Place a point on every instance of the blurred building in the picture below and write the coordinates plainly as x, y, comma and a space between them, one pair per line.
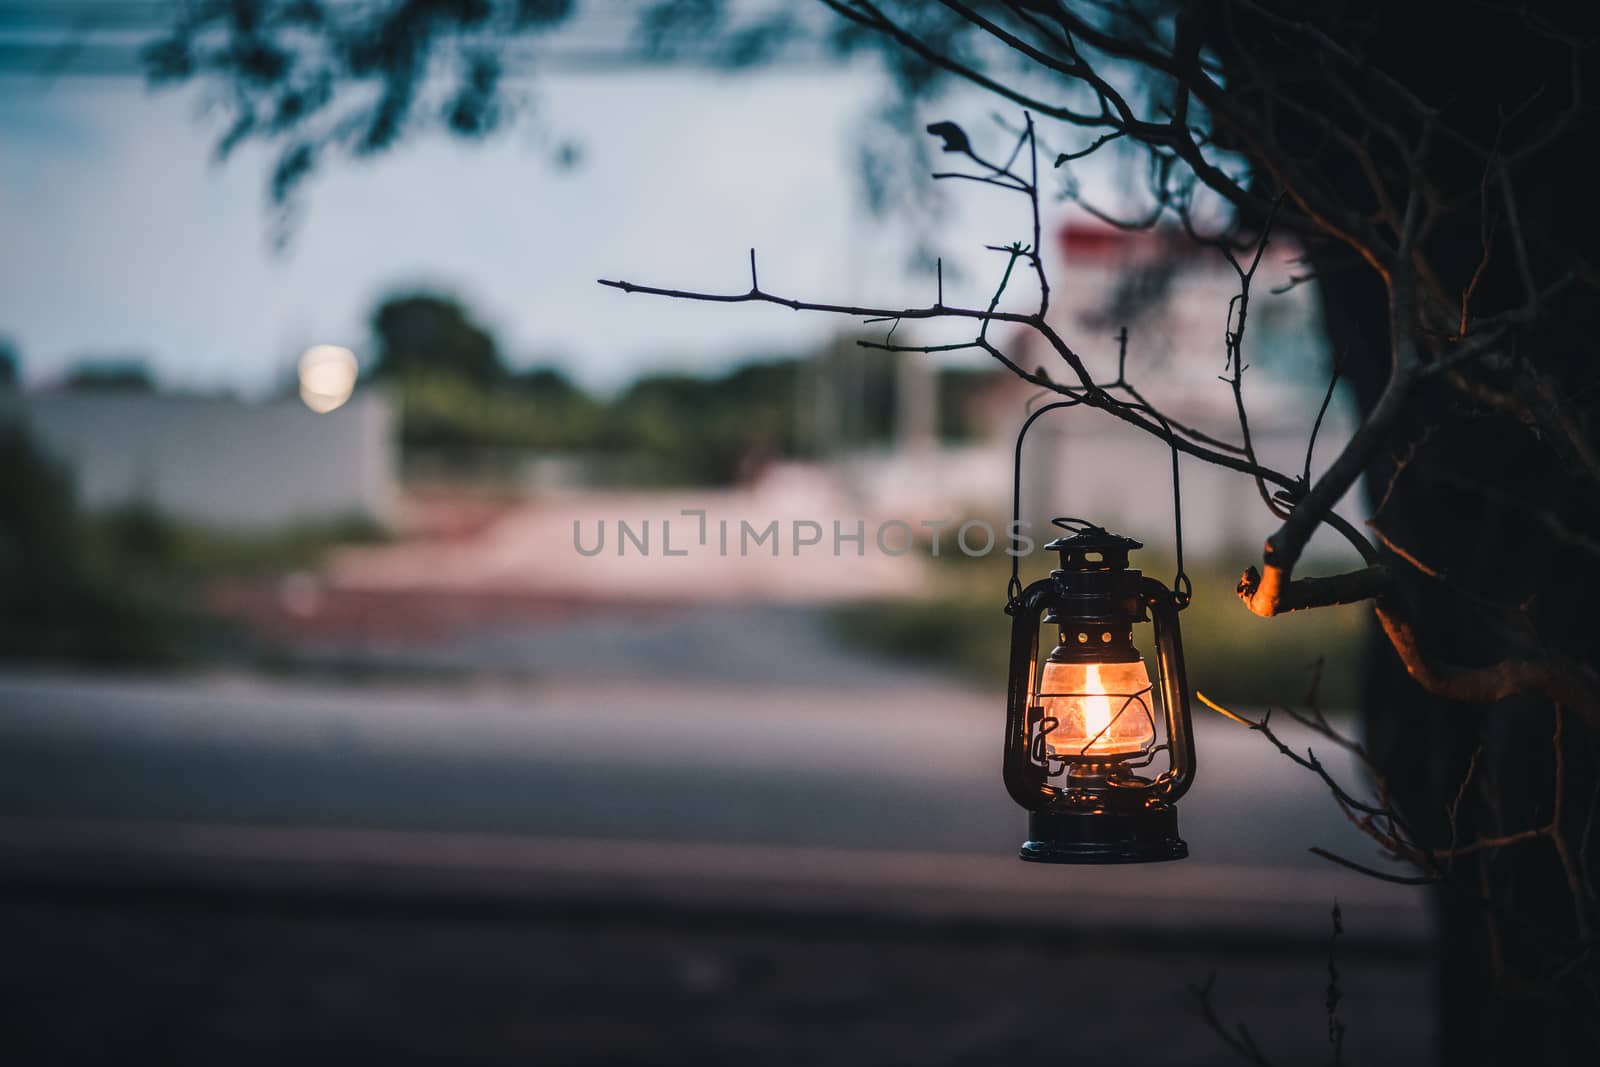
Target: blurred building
219, 462
1173, 296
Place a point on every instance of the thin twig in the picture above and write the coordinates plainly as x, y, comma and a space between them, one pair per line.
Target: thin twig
1334, 993
1316, 427
1238, 1039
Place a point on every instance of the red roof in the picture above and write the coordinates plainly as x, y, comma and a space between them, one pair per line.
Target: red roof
1088, 240
1091, 239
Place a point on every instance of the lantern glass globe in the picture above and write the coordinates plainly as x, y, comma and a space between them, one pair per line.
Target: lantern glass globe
1101, 709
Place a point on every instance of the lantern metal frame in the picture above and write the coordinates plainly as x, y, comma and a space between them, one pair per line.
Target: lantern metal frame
1102, 811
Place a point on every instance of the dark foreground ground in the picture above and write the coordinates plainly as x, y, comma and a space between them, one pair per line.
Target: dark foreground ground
176, 979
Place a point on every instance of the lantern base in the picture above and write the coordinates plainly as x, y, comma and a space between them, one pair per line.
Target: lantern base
1104, 835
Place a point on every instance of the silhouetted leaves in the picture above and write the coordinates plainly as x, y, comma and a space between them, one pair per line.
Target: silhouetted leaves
316, 74
258, 62
298, 102
294, 164
751, 46
474, 109
954, 137
668, 26
243, 126
542, 12
167, 61
312, 75
387, 116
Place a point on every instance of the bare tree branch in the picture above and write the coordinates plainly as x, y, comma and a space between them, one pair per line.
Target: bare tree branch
1562, 680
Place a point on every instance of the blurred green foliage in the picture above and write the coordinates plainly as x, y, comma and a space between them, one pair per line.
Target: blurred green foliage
709, 430
142, 545
427, 333
120, 374
59, 602
120, 587
446, 413
459, 401
10, 366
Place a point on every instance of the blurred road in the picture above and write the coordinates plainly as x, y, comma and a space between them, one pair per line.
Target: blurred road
864, 789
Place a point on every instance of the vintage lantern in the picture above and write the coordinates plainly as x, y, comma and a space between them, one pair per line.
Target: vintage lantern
1085, 728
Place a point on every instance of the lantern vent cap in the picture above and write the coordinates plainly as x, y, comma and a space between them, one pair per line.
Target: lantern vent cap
1090, 547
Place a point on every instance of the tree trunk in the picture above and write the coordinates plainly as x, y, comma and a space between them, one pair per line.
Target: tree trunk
1487, 494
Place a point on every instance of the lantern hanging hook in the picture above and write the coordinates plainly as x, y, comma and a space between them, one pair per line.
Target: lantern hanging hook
1182, 589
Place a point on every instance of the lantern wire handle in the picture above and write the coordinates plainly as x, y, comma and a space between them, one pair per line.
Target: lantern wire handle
1014, 587
1182, 589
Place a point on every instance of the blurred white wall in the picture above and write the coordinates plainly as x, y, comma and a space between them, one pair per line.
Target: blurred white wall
221, 462
1088, 465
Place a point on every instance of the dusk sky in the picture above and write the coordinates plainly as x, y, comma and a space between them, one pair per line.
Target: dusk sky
123, 236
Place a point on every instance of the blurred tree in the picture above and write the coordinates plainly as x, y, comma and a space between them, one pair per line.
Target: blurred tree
709, 430
427, 335
549, 385
58, 604
10, 366
959, 389
457, 397
119, 374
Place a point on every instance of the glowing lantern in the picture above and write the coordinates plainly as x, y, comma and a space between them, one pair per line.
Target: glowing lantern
1084, 727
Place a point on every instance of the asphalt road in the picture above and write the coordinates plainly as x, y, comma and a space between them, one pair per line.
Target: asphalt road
909, 768
834, 769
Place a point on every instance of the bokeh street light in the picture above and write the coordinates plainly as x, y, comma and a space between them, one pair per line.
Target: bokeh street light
327, 377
